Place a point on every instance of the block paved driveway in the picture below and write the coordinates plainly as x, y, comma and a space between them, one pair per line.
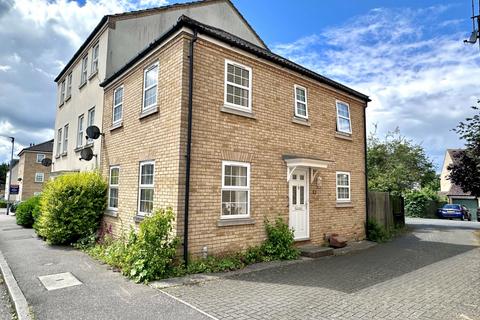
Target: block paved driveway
431, 273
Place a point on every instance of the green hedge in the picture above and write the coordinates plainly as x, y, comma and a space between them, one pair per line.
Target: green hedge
71, 207
27, 211
3, 204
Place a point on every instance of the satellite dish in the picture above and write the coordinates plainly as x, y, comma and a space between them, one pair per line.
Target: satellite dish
86, 154
93, 132
47, 162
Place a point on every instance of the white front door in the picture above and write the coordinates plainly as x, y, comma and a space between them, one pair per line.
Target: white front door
298, 198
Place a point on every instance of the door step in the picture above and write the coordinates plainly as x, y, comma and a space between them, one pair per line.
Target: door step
312, 251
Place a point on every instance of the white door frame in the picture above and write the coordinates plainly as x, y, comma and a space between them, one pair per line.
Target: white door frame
307, 202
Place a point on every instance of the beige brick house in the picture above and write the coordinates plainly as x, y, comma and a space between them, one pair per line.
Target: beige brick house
268, 137
29, 173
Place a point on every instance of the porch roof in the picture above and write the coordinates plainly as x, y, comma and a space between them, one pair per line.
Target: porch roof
302, 161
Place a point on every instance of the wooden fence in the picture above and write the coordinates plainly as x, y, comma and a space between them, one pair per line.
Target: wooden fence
386, 209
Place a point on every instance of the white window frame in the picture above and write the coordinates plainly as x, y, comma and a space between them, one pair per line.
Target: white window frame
62, 92
65, 139
110, 185
150, 67
94, 65
90, 121
249, 88
83, 70
42, 157
118, 105
145, 186
295, 87
342, 117
39, 174
235, 188
69, 85
80, 130
59, 141
349, 186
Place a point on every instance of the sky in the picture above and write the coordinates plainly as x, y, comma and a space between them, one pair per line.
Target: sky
407, 55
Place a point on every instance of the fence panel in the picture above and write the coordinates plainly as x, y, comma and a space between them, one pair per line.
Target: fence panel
386, 209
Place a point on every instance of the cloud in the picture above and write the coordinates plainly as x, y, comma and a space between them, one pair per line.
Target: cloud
420, 79
38, 38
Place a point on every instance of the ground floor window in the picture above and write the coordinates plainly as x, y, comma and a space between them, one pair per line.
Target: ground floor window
39, 177
343, 186
113, 188
235, 189
146, 187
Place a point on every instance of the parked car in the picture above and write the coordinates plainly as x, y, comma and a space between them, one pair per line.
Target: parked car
454, 211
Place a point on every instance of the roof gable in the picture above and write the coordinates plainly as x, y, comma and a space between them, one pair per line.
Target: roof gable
46, 147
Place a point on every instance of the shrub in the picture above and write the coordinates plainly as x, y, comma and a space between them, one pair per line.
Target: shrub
279, 243
377, 232
3, 204
28, 211
418, 203
71, 207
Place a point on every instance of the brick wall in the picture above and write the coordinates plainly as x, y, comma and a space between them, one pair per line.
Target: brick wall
27, 169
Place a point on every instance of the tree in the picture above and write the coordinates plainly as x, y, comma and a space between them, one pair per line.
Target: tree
397, 165
465, 170
3, 172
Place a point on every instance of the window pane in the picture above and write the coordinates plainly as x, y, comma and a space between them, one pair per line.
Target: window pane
150, 97
294, 195
301, 109
151, 77
302, 195
113, 199
344, 125
235, 176
114, 176
342, 179
238, 75
118, 96
343, 110
234, 202
146, 200
147, 174
117, 113
300, 94
343, 193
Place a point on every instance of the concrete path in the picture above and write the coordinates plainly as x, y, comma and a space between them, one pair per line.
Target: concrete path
103, 294
6, 308
431, 273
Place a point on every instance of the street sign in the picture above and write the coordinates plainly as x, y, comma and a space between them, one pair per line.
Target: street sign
14, 189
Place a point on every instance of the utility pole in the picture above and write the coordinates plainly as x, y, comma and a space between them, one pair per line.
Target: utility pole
10, 176
475, 35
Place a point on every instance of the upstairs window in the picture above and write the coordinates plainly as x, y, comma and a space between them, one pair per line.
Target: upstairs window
83, 77
59, 141
235, 189
146, 187
150, 81
80, 131
62, 92
238, 86
65, 138
301, 109
90, 121
343, 118
117, 105
69, 86
113, 188
343, 186
94, 68
40, 157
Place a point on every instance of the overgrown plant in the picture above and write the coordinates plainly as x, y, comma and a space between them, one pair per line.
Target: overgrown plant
71, 207
28, 211
376, 232
279, 244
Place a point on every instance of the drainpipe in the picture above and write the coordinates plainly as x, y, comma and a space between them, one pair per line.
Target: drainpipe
366, 168
189, 148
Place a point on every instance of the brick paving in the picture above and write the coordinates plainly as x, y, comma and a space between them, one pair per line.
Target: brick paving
431, 273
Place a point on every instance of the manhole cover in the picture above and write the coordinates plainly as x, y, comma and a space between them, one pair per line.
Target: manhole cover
59, 281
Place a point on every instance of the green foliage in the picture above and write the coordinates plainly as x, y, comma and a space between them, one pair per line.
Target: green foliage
216, 264
3, 204
280, 240
396, 165
4, 167
71, 207
28, 211
418, 201
376, 232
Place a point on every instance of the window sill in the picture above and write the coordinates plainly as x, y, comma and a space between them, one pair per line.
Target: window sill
64, 154
93, 75
38, 181
148, 112
117, 125
111, 213
68, 98
138, 218
88, 145
57, 156
343, 135
78, 149
241, 113
344, 204
235, 222
82, 85
301, 121
61, 104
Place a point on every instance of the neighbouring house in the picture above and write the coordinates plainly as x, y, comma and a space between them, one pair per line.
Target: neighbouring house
205, 117
14, 173
29, 172
114, 41
454, 193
